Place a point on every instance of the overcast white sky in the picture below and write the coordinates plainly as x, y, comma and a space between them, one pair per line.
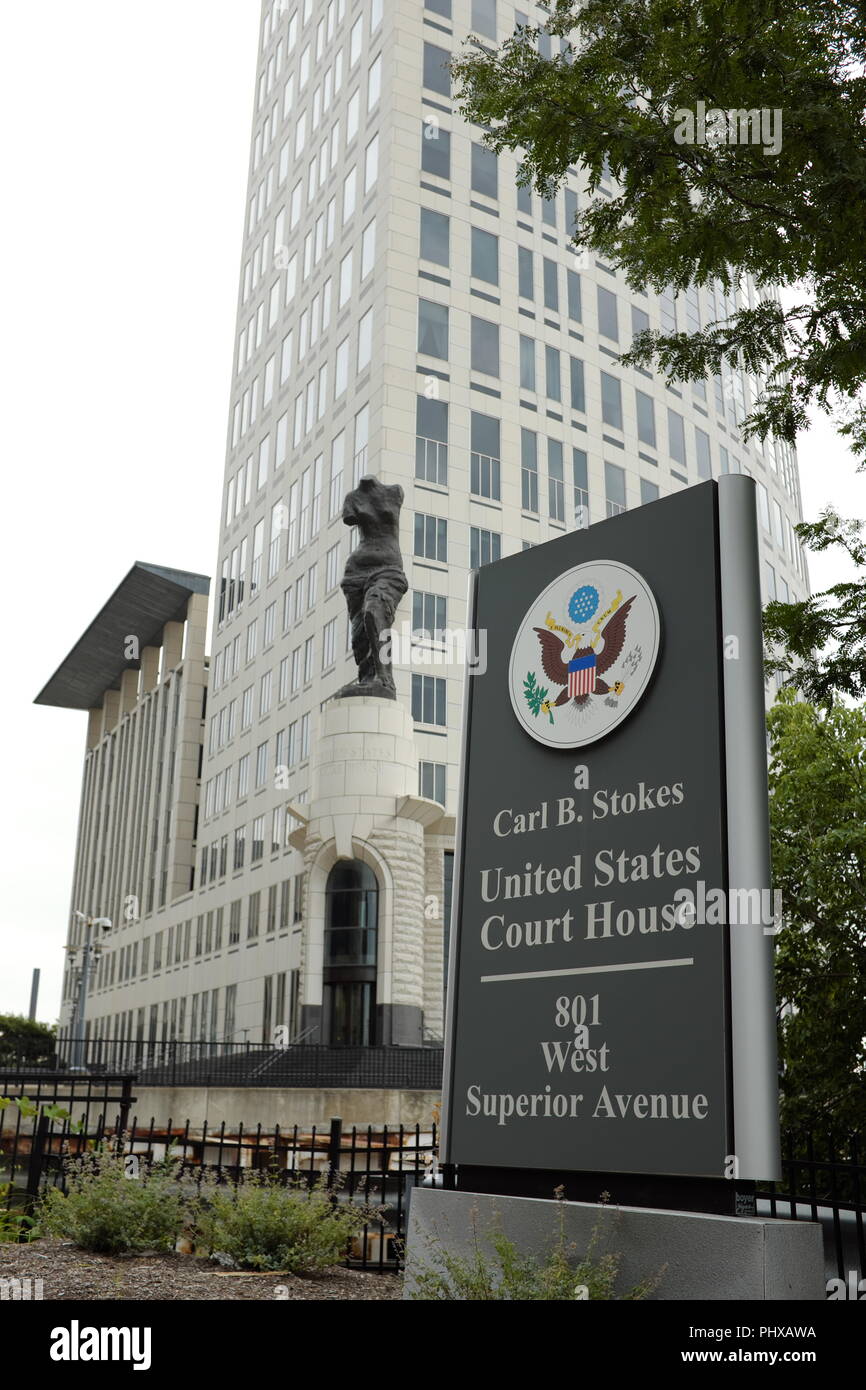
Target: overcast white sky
125, 142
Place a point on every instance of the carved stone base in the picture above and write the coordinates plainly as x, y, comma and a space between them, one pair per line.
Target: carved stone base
375, 690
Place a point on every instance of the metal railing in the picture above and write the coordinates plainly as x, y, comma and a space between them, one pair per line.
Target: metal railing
824, 1180
213, 1063
371, 1166
50, 1118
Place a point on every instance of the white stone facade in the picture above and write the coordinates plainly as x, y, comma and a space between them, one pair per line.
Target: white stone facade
357, 153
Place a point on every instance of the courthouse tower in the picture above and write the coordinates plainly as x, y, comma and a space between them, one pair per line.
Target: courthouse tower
404, 310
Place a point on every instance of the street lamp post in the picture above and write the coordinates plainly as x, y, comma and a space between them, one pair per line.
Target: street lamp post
90, 954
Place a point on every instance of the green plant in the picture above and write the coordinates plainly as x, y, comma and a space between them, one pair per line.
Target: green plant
23, 1039
818, 836
263, 1224
13, 1224
509, 1276
108, 1210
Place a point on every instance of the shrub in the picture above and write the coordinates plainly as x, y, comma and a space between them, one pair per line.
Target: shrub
113, 1205
509, 1276
263, 1224
15, 1225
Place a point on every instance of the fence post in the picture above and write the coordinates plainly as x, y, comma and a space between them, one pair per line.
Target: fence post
335, 1146
34, 1167
126, 1102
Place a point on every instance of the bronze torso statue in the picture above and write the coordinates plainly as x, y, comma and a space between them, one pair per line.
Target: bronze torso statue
374, 582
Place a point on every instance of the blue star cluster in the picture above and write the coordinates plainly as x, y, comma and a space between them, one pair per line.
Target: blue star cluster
583, 603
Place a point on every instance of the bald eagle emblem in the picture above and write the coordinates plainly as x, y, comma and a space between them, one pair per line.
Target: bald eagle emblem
578, 660
583, 654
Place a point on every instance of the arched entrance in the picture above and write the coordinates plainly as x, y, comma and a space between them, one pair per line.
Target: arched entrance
350, 954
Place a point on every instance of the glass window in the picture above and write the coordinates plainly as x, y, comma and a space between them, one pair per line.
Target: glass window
345, 279
484, 459
648, 491
428, 699
437, 78
435, 230
350, 955
527, 363
525, 275
365, 340
646, 418
355, 40
676, 437
485, 347
431, 537
433, 329
551, 285
484, 547
431, 781
374, 83
578, 392
528, 470
552, 373
435, 149
429, 614
668, 311
575, 310
555, 480
639, 320
371, 164
581, 487
485, 178
485, 256
350, 188
702, 453
611, 401
484, 17
608, 325
431, 440
614, 485
368, 249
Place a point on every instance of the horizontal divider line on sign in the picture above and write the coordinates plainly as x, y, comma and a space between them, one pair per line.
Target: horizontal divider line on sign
588, 970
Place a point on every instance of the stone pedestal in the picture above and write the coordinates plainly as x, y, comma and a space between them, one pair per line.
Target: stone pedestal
720, 1258
364, 805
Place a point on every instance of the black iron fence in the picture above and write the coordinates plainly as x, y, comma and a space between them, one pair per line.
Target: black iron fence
824, 1180
39, 1111
181, 1063
46, 1119
373, 1167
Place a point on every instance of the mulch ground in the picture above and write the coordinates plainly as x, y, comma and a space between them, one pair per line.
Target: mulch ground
68, 1273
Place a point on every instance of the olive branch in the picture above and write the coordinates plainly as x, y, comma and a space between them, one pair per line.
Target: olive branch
536, 697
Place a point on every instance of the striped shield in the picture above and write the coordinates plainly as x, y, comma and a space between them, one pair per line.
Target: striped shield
581, 675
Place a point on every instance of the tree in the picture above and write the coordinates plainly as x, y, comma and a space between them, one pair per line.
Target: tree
818, 645
23, 1039
618, 98
818, 828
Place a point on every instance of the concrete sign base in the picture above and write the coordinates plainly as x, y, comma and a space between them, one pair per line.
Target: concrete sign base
719, 1258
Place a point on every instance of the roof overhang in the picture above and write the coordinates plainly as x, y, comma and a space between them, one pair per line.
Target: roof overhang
149, 597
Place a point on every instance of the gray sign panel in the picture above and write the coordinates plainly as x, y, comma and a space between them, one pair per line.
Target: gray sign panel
589, 1009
